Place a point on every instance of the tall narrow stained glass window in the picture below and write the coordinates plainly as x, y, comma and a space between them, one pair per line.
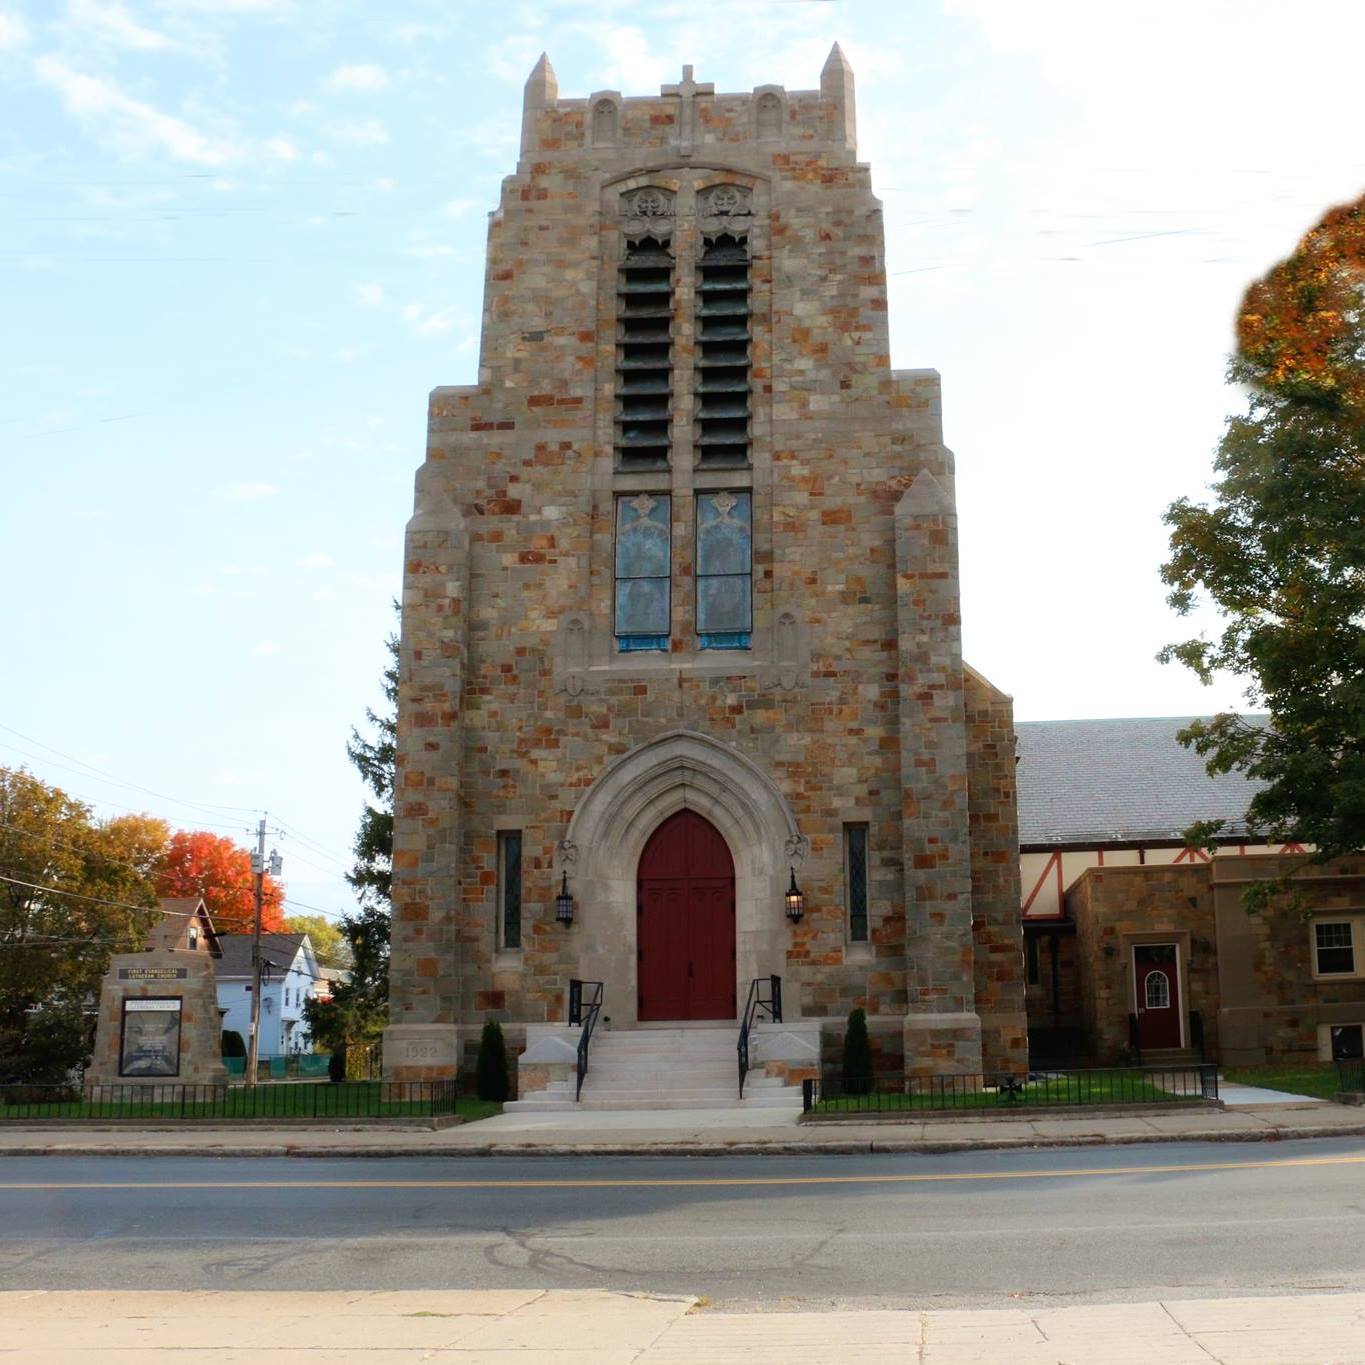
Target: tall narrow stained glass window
724, 570
855, 873
643, 563
509, 887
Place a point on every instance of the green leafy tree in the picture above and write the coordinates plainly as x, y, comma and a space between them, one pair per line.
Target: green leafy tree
1280, 552
329, 943
75, 889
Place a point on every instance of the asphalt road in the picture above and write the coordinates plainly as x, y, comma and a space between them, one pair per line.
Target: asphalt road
976, 1229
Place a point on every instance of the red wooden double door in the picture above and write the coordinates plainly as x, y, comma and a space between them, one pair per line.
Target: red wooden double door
686, 922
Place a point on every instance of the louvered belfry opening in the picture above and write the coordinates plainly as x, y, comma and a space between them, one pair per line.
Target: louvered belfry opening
644, 356
722, 433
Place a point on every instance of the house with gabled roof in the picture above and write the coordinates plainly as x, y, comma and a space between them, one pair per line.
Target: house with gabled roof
289, 977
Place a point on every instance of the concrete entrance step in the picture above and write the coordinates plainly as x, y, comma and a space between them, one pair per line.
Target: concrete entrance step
682, 1068
1169, 1057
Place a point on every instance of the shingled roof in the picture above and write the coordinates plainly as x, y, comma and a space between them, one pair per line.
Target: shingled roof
280, 949
1092, 782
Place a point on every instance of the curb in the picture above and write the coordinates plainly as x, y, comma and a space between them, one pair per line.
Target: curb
859, 1147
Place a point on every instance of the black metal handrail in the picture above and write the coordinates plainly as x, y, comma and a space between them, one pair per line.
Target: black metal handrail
1135, 1038
583, 1010
977, 1091
1197, 1033
756, 1001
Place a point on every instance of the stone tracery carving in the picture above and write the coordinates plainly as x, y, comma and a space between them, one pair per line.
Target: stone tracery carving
647, 210
726, 201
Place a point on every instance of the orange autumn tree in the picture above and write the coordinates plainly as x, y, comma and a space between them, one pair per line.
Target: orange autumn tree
1298, 329
197, 863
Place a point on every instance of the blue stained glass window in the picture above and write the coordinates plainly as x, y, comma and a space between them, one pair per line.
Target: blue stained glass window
724, 570
643, 562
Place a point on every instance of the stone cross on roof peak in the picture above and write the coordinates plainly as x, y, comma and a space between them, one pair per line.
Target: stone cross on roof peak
687, 90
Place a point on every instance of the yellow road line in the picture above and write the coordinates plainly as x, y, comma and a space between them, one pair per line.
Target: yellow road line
699, 1182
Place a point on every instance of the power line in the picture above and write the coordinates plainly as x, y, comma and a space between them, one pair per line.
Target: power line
121, 782
74, 848
77, 895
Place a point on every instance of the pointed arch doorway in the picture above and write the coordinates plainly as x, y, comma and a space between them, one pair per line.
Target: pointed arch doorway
685, 922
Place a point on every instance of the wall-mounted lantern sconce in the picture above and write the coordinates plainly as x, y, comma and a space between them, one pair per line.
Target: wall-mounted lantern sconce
564, 902
796, 902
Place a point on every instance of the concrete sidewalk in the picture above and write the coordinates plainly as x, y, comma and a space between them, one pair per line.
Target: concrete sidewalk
700, 1132
595, 1327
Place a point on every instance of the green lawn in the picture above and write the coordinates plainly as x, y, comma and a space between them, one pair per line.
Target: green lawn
1319, 1079
350, 1099
1100, 1089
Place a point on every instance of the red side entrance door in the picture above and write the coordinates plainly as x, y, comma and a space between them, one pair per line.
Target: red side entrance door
1156, 978
686, 922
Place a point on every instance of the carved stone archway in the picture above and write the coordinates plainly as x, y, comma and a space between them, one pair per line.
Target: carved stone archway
679, 770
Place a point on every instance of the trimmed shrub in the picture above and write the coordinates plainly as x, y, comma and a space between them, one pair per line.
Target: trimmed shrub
857, 1055
336, 1065
234, 1045
491, 1080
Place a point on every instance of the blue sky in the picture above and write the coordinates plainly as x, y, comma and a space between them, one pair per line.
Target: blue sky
241, 239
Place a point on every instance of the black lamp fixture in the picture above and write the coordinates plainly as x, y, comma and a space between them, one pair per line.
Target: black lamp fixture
796, 901
564, 902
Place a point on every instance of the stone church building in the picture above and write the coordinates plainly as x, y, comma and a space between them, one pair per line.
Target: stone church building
681, 619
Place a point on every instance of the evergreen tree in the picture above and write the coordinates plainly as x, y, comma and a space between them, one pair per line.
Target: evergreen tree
491, 1078
374, 757
857, 1055
359, 1007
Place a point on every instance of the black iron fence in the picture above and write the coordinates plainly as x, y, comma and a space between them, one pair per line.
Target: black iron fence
344, 1100
1351, 1075
978, 1091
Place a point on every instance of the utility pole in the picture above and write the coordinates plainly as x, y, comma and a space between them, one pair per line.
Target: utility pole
258, 866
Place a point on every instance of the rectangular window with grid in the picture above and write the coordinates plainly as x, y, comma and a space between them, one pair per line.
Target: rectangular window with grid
855, 877
1335, 948
724, 570
643, 566
509, 887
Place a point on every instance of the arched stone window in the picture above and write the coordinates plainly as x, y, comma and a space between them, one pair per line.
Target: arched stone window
604, 123
769, 116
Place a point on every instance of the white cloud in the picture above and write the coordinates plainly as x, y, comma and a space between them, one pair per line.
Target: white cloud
368, 132
458, 208
360, 78
243, 492
13, 31
429, 251
107, 21
267, 7
317, 561
282, 149
427, 324
372, 294
134, 127
266, 647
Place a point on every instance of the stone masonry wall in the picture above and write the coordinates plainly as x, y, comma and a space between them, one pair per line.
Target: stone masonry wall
1272, 1005
997, 933
1113, 908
